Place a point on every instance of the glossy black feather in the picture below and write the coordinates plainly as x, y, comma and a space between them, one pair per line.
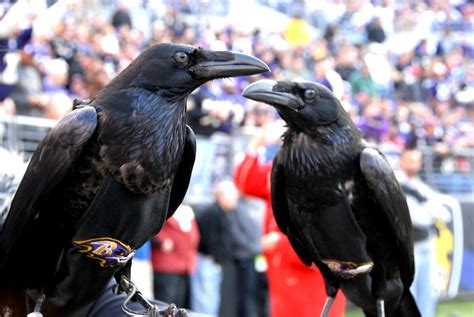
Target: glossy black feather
389, 196
109, 173
183, 175
280, 209
55, 154
338, 201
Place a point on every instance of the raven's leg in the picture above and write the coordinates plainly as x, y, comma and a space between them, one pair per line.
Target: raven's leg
380, 308
332, 286
327, 306
379, 288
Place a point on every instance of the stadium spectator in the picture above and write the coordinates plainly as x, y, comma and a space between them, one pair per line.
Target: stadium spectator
121, 16
213, 284
425, 208
375, 31
245, 233
174, 256
363, 86
54, 101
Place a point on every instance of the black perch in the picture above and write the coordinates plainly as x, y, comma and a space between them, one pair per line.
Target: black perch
105, 179
337, 199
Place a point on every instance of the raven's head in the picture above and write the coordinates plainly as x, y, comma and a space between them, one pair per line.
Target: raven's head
176, 70
303, 105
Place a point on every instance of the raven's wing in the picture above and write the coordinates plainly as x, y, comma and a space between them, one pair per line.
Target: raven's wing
183, 175
281, 211
50, 163
385, 189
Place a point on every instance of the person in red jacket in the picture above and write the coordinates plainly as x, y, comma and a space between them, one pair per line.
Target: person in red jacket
174, 257
294, 288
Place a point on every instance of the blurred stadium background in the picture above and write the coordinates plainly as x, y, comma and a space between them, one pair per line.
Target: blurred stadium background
403, 69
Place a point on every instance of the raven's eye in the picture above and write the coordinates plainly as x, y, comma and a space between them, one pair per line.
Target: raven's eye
309, 94
181, 58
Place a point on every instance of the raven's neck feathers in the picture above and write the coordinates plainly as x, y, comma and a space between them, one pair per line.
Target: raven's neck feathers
330, 146
141, 131
338, 132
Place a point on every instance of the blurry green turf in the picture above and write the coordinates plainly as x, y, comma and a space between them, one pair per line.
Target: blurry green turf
445, 309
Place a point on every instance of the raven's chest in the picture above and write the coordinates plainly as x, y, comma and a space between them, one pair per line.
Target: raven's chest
144, 155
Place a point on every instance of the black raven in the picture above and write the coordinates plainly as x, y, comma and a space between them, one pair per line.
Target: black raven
336, 198
106, 177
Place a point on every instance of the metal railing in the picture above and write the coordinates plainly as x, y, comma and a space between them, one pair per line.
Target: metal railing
452, 175
22, 134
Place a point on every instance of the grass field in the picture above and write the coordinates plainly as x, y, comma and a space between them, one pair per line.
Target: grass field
445, 309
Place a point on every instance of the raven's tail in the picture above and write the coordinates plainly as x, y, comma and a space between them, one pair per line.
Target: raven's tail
408, 307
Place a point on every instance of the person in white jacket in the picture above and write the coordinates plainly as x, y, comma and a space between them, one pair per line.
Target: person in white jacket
425, 209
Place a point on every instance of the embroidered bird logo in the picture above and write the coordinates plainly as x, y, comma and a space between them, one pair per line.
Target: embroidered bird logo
108, 251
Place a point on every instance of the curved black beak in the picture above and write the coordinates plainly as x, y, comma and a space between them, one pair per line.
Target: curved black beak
274, 93
228, 64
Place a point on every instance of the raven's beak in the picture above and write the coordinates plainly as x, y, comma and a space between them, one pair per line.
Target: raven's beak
229, 64
274, 93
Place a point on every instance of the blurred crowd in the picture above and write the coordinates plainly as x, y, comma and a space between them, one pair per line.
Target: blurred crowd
419, 89
403, 69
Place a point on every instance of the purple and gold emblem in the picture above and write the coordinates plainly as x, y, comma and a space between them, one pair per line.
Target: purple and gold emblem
347, 270
108, 251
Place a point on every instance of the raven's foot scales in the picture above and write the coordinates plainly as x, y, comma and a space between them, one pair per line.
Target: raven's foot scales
133, 294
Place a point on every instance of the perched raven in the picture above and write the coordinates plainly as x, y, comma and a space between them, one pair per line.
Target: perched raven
105, 179
337, 200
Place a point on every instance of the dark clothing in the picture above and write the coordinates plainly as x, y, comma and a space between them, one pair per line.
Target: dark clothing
233, 239
215, 241
375, 33
246, 287
172, 288
229, 291
214, 230
120, 18
345, 71
245, 234
262, 295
